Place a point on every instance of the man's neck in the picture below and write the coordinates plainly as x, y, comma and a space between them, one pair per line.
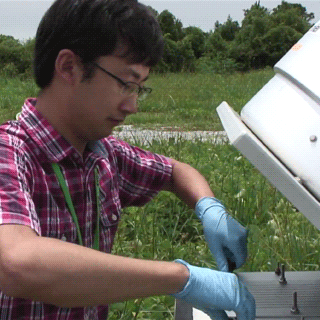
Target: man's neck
55, 111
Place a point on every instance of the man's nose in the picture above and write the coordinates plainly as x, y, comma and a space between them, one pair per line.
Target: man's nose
130, 105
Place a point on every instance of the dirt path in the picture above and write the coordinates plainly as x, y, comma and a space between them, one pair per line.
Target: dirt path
145, 137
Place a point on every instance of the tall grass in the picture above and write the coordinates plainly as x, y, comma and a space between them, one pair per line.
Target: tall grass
166, 229
13, 92
185, 101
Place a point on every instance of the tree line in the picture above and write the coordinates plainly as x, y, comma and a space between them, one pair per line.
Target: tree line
263, 37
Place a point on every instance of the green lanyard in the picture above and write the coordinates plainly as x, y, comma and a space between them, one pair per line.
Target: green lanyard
68, 199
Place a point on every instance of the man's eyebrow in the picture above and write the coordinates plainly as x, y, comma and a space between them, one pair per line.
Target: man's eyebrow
137, 75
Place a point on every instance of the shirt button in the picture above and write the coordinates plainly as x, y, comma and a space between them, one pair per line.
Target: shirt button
114, 217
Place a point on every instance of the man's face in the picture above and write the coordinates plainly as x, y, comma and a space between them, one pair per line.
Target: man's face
98, 104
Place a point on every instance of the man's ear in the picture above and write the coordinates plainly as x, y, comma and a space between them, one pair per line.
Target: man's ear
67, 67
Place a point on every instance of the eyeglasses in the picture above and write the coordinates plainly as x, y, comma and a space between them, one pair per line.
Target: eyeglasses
128, 88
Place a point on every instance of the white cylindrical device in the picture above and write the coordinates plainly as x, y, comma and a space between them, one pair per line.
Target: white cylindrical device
285, 113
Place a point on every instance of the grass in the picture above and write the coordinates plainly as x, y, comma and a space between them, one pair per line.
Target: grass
184, 101
165, 229
13, 92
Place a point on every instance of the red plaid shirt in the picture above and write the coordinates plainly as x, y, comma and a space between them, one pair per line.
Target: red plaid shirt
30, 194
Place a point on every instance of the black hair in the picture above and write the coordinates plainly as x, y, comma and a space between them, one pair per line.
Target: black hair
95, 28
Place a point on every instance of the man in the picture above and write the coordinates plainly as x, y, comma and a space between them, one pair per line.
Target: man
63, 184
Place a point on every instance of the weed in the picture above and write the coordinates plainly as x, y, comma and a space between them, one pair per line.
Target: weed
165, 229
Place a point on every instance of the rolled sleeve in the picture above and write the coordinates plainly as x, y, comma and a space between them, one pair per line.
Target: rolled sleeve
16, 205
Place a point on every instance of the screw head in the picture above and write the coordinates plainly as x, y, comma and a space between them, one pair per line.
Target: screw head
313, 138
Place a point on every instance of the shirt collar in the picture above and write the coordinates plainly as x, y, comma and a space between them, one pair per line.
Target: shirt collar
43, 133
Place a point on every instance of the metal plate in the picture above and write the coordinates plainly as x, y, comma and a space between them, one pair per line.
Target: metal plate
183, 310
273, 299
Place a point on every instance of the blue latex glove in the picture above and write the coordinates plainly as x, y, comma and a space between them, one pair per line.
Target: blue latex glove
214, 291
226, 237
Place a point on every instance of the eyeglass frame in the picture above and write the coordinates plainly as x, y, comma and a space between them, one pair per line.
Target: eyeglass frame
142, 92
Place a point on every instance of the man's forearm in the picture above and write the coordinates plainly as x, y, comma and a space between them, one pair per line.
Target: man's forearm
69, 275
188, 184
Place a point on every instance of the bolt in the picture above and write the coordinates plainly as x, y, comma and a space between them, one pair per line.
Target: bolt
313, 138
278, 271
282, 279
294, 308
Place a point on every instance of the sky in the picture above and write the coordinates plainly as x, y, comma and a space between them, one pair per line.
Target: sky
20, 18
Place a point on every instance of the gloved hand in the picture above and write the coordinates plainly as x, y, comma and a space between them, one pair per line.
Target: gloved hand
215, 291
226, 237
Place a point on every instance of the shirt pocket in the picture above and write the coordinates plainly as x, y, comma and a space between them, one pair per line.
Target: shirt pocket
109, 216
109, 198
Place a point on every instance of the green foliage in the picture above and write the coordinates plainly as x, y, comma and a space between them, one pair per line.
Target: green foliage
256, 11
15, 57
197, 38
262, 39
227, 30
170, 25
13, 92
165, 229
216, 45
247, 49
178, 56
265, 36
219, 64
9, 40
295, 10
9, 70
277, 41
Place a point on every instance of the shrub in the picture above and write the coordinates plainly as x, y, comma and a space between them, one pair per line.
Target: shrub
9, 70
216, 65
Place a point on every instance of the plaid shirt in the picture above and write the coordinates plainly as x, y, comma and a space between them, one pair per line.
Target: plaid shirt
30, 194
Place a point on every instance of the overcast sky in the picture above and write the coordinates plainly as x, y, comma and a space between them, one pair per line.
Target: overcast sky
20, 18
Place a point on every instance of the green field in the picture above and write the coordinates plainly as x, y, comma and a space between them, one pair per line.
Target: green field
184, 101
166, 229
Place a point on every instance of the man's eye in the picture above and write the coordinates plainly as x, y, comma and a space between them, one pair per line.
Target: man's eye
130, 88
